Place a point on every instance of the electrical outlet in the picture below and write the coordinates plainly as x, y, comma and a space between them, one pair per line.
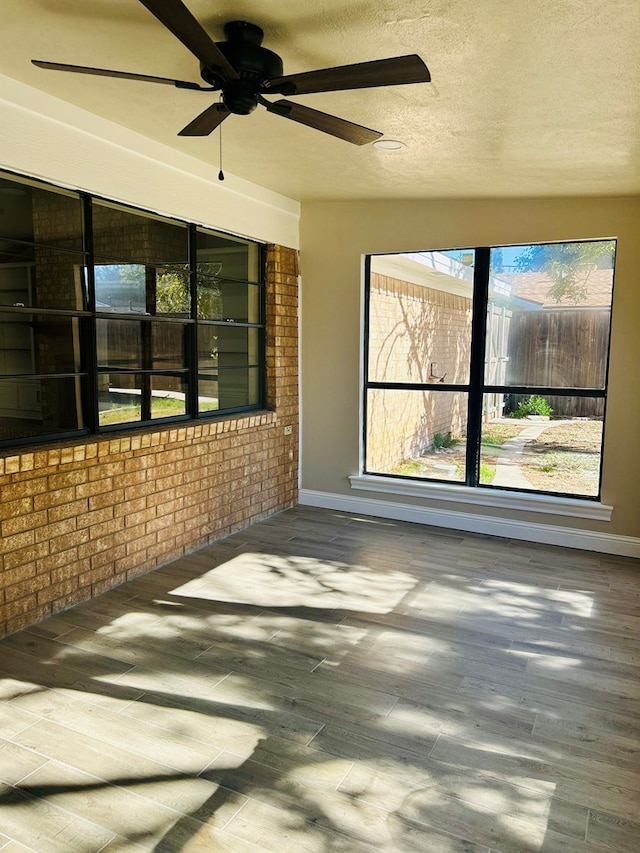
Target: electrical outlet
288, 430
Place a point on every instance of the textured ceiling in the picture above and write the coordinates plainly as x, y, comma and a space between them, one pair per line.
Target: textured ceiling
529, 97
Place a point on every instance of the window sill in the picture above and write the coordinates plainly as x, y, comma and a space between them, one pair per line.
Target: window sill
495, 498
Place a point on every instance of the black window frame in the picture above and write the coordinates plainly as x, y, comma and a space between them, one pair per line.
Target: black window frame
89, 315
476, 388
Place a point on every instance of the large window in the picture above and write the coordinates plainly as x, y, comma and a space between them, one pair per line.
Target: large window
488, 367
112, 317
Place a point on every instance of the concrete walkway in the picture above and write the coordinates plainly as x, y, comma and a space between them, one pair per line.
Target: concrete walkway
508, 470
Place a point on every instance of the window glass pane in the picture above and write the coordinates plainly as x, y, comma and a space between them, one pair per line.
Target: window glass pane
226, 346
541, 453
130, 398
228, 373
42, 278
172, 291
228, 300
417, 433
143, 318
39, 343
34, 214
420, 317
228, 388
137, 236
120, 288
30, 408
208, 400
143, 289
549, 314
134, 344
227, 257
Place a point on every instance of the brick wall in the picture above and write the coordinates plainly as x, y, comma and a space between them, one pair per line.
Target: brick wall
81, 518
411, 328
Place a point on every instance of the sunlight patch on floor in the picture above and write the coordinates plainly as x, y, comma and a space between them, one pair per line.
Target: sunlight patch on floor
542, 660
269, 580
10, 688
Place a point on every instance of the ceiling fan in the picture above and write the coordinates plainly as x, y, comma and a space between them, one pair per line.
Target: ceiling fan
244, 72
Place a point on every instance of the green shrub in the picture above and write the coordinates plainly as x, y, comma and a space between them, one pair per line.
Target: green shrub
534, 405
441, 439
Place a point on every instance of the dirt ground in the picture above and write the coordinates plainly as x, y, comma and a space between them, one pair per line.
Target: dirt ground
579, 436
564, 458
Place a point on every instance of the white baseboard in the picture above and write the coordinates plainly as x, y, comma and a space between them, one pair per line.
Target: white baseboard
547, 534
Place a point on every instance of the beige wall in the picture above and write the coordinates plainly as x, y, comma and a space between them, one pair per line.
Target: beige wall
335, 236
47, 138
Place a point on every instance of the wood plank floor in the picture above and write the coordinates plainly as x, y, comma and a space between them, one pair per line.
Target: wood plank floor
325, 682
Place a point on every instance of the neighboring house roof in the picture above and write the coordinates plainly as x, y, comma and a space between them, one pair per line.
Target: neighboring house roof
535, 286
529, 291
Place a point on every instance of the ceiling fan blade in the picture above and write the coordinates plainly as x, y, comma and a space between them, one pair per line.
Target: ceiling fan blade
362, 75
106, 72
207, 121
333, 125
178, 20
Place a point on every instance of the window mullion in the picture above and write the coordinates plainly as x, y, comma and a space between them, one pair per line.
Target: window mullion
192, 333
365, 358
481, 268
262, 333
89, 325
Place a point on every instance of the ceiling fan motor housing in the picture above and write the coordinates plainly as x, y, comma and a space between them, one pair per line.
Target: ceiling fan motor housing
255, 66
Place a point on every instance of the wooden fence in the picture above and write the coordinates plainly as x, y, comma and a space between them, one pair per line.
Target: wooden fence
566, 348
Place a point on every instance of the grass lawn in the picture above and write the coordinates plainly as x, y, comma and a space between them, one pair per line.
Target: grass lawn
161, 407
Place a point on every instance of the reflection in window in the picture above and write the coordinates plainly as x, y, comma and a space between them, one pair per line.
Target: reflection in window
138, 237
140, 318
228, 388
34, 214
228, 359
140, 344
40, 406
41, 277
226, 257
39, 344
228, 300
